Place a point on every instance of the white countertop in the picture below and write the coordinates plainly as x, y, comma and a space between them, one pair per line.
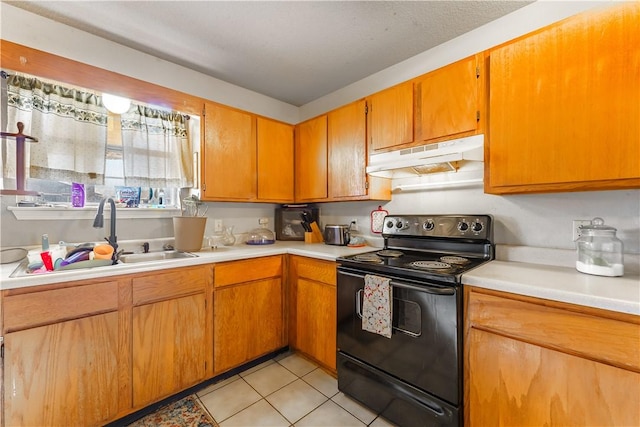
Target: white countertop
221, 254
557, 283
540, 280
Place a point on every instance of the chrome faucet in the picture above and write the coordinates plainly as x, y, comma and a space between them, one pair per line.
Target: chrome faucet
98, 222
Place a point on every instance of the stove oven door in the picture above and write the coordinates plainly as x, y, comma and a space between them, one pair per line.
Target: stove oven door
424, 349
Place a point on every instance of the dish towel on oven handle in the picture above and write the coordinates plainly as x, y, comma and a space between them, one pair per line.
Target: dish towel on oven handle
377, 305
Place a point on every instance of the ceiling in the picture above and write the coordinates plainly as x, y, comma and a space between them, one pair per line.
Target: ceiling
293, 51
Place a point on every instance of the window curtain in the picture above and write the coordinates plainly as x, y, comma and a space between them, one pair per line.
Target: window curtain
156, 148
70, 124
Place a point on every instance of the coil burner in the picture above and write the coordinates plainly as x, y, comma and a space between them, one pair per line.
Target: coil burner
389, 253
431, 265
454, 260
368, 258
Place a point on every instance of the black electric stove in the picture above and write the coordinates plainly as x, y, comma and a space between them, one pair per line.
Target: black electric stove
415, 376
437, 248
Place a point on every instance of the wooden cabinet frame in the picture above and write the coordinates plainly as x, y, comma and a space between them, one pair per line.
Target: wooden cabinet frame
530, 361
95, 318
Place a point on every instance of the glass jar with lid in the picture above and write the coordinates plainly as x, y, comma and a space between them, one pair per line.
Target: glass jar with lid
261, 235
600, 252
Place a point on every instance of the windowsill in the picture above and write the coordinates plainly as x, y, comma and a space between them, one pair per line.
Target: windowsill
88, 212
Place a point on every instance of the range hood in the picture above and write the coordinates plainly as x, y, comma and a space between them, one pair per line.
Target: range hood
425, 159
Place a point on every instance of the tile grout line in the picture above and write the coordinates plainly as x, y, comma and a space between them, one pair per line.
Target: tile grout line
275, 391
297, 376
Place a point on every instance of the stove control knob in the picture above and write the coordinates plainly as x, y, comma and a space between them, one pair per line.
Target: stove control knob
399, 225
477, 226
463, 226
389, 224
428, 225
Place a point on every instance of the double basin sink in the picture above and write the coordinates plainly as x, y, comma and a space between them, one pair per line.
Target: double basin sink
155, 256
23, 270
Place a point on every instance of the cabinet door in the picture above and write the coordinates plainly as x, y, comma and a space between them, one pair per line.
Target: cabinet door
565, 105
275, 161
517, 383
62, 374
312, 308
169, 346
347, 151
311, 160
539, 362
316, 321
390, 117
248, 322
229, 154
447, 101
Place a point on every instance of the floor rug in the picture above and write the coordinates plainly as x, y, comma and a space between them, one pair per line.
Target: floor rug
183, 413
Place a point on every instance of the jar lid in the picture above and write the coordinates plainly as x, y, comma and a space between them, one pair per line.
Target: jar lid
597, 225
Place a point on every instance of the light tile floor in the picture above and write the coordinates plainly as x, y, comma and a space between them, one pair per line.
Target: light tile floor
285, 391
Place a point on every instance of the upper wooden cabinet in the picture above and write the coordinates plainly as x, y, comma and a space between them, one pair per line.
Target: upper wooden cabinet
565, 106
228, 154
390, 117
538, 362
245, 157
449, 101
347, 133
311, 160
275, 161
348, 156
331, 158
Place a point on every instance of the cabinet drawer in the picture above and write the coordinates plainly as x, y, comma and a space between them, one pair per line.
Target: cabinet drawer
28, 310
229, 273
170, 284
606, 340
319, 271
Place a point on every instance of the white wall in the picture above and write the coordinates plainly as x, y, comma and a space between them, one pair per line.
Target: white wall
242, 216
41, 33
540, 220
515, 24
532, 220
44, 34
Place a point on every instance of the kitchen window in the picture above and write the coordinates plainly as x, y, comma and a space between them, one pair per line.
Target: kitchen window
146, 147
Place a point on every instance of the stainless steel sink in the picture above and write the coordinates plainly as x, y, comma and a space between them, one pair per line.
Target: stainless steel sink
155, 256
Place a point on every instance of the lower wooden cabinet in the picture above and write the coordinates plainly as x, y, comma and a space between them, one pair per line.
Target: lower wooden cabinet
169, 333
63, 360
248, 311
537, 362
86, 353
312, 309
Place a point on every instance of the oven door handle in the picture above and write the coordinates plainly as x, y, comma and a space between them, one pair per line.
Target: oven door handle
447, 290
426, 289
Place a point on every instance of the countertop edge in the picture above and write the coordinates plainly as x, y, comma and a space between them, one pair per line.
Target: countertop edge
557, 283
222, 254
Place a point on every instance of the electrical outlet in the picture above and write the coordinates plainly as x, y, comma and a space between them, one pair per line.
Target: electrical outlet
576, 227
354, 224
217, 225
